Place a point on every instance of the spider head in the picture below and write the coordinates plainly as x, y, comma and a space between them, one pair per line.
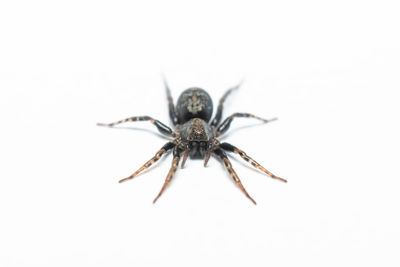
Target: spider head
197, 137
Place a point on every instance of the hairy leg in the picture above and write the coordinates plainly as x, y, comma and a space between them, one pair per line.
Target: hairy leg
164, 129
158, 155
171, 172
235, 177
218, 115
231, 148
224, 126
171, 107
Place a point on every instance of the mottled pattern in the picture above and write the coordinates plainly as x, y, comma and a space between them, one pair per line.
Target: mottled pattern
196, 130
194, 103
196, 134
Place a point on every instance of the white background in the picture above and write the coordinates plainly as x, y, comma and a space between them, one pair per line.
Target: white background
328, 69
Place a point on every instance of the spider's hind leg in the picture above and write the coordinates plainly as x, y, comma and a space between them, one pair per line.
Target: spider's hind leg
157, 156
171, 107
231, 148
219, 152
218, 115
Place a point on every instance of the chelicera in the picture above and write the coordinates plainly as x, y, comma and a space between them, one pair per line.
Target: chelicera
195, 136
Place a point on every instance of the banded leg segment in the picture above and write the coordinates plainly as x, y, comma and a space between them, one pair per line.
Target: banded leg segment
231, 148
160, 126
158, 155
172, 170
224, 126
171, 107
218, 115
219, 152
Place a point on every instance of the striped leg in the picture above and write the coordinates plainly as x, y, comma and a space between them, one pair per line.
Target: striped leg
171, 172
160, 126
218, 115
231, 148
232, 172
224, 126
158, 155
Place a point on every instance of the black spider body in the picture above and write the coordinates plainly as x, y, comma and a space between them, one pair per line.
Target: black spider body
194, 103
194, 135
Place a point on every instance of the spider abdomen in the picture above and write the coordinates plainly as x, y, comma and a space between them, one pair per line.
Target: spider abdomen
194, 103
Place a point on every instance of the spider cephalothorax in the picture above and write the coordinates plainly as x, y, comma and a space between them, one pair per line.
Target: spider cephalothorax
194, 136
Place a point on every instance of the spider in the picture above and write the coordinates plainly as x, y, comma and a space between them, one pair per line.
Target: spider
194, 135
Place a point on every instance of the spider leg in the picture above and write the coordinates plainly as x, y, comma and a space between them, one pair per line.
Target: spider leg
158, 155
160, 126
231, 148
185, 156
218, 115
224, 126
171, 107
171, 172
219, 152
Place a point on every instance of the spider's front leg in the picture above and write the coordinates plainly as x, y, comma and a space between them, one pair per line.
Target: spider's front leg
219, 152
172, 170
164, 129
231, 148
157, 156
